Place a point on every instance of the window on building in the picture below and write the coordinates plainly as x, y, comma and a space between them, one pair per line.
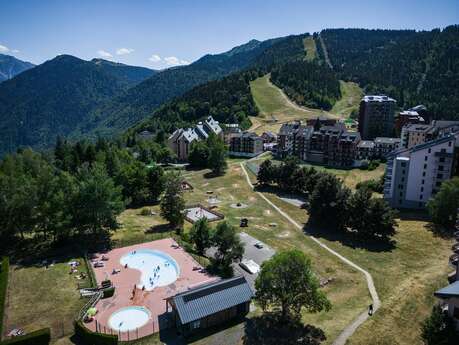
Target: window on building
449, 143
420, 197
421, 204
422, 189
440, 168
422, 182
403, 172
423, 174
401, 194
439, 175
195, 324
425, 158
443, 150
442, 159
438, 184
430, 150
403, 179
425, 166
403, 164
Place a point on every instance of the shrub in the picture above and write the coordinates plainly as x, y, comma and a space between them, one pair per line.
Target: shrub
40, 337
4, 268
93, 338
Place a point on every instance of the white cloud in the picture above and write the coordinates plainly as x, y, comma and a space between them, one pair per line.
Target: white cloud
174, 61
104, 54
15, 51
4, 49
154, 58
124, 51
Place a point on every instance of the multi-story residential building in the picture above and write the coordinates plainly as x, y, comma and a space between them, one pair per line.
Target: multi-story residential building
413, 175
180, 141
413, 134
229, 131
376, 117
407, 117
286, 138
246, 144
269, 137
365, 150
330, 145
321, 121
384, 146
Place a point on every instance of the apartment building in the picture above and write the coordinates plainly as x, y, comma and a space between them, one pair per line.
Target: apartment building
376, 117
329, 145
416, 134
383, 146
180, 141
365, 150
413, 175
407, 117
246, 144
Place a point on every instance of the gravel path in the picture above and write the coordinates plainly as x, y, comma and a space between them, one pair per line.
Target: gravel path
350, 329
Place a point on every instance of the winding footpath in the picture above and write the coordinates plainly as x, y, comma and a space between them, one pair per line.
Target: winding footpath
351, 328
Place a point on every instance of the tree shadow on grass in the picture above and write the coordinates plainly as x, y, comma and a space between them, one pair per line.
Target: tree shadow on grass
269, 330
349, 239
159, 228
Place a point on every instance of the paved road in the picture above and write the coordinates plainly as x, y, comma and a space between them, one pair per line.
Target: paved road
350, 329
253, 253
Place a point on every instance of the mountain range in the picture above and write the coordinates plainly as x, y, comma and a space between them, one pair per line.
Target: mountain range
77, 98
10, 67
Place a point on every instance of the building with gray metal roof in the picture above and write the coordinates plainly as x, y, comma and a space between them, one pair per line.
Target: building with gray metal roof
211, 304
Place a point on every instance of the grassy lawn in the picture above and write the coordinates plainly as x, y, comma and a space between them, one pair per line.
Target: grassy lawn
39, 298
351, 94
405, 274
347, 292
276, 109
310, 47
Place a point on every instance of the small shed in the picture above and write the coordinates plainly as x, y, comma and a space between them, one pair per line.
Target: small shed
211, 304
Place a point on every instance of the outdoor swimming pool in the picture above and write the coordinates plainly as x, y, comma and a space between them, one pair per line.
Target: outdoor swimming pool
129, 318
157, 268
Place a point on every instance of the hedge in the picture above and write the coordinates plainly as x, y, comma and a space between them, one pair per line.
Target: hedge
94, 338
40, 337
91, 275
4, 268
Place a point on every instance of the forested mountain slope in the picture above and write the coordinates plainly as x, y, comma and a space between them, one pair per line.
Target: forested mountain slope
52, 98
10, 67
227, 99
141, 101
413, 67
131, 75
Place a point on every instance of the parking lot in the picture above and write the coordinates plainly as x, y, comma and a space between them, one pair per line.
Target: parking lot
258, 255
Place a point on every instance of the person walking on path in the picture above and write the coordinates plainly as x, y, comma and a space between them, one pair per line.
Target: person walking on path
370, 309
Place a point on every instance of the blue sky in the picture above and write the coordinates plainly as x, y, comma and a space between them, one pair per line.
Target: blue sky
158, 34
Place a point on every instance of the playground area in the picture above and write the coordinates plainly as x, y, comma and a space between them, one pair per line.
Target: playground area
143, 275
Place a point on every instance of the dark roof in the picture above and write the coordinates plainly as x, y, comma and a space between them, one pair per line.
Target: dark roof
211, 298
434, 142
452, 290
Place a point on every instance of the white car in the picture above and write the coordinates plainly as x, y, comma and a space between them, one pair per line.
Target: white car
250, 266
258, 245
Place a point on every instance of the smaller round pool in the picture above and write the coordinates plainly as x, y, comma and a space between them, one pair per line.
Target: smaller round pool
129, 318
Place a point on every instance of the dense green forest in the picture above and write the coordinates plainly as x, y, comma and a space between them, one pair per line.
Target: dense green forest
413, 67
52, 98
76, 190
141, 101
307, 83
228, 99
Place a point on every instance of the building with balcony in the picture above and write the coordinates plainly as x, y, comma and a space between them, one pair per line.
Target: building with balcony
246, 144
414, 175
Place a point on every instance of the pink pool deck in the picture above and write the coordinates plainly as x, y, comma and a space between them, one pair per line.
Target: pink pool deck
155, 300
